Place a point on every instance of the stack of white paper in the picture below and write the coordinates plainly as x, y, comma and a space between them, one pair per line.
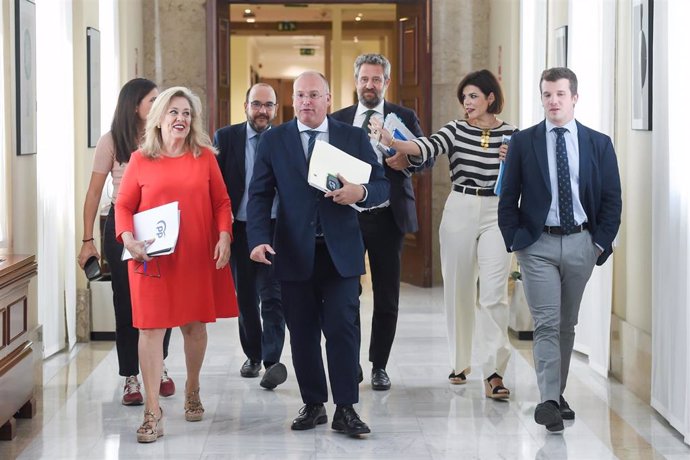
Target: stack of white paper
328, 160
162, 225
393, 123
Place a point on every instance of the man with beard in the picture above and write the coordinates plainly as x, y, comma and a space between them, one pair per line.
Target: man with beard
237, 147
383, 228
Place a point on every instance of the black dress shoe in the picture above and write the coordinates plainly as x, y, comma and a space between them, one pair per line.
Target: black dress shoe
250, 368
274, 376
360, 374
309, 416
566, 412
548, 414
380, 380
346, 420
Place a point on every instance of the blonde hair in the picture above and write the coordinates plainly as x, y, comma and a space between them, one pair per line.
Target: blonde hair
197, 139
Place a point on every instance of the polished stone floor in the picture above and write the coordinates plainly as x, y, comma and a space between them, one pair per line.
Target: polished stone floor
421, 417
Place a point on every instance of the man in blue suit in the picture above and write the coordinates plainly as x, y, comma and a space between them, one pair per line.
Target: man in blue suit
254, 282
559, 211
319, 252
383, 227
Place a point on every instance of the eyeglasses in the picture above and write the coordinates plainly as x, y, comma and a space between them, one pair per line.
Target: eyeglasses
313, 95
256, 105
152, 270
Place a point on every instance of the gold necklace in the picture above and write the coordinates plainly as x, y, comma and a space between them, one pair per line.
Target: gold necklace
486, 135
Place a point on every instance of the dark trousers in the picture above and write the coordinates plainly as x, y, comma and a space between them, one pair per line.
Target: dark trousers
256, 284
126, 336
383, 241
326, 302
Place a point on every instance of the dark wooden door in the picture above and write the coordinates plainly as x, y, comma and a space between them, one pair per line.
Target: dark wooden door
217, 64
414, 91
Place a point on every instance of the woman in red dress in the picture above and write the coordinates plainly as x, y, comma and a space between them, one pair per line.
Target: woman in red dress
192, 286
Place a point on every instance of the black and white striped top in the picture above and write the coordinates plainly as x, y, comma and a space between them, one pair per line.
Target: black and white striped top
470, 163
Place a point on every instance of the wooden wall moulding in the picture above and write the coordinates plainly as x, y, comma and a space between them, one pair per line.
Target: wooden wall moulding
16, 350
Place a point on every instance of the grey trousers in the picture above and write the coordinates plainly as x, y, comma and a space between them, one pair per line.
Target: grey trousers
555, 270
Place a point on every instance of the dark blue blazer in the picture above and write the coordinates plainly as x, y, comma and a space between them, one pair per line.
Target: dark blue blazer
230, 142
402, 193
281, 167
526, 189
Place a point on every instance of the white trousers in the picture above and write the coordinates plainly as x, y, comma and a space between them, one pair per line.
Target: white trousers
473, 257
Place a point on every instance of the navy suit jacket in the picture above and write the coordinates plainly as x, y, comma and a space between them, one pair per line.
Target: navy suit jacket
526, 189
281, 167
230, 142
402, 193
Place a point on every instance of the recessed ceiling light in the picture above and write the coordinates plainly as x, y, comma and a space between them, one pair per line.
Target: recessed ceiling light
358, 18
251, 20
247, 11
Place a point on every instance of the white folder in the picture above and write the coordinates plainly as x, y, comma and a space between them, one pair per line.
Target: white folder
162, 224
326, 159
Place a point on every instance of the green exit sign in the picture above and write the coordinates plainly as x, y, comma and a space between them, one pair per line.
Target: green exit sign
287, 26
307, 51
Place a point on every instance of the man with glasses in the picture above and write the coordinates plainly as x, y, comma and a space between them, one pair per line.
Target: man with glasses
384, 227
254, 282
319, 253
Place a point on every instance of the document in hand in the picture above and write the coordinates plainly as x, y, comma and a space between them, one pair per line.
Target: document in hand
497, 187
328, 160
162, 224
395, 126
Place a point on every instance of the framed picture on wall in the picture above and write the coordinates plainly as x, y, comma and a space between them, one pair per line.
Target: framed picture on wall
93, 76
561, 39
641, 39
25, 73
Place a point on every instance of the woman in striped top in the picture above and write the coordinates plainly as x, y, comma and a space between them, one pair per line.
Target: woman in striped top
472, 249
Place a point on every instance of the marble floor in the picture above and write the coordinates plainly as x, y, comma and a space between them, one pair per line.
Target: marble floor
421, 417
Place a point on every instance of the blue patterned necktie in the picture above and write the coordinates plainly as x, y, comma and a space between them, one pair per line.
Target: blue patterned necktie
367, 117
311, 143
565, 194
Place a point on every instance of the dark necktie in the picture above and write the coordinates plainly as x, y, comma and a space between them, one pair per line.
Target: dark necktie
565, 195
310, 148
367, 117
311, 143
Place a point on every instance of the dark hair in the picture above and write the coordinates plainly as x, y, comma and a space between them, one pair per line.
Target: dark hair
487, 83
126, 123
373, 59
557, 73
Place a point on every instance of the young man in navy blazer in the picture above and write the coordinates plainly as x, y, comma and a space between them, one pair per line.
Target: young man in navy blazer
559, 211
383, 227
254, 282
317, 250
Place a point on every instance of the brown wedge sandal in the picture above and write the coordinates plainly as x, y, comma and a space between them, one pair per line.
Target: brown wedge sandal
193, 409
496, 391
152, 428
